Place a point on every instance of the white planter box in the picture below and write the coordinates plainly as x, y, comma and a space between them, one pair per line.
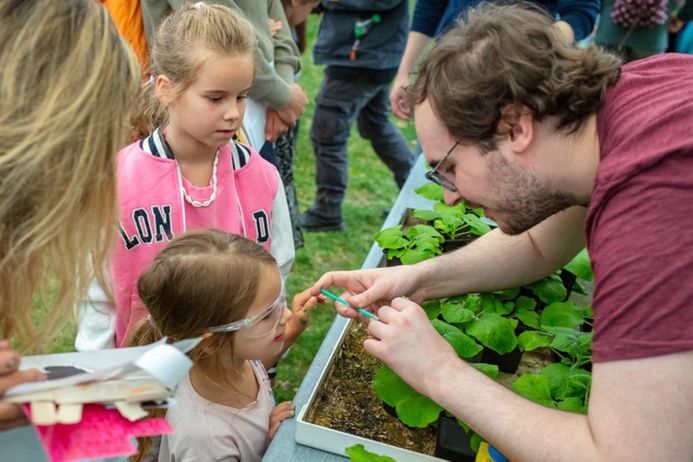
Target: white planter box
335, 441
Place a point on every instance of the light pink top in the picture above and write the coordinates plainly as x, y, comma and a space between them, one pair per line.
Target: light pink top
205, 431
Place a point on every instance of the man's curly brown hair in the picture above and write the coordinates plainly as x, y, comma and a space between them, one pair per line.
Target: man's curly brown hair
503, 54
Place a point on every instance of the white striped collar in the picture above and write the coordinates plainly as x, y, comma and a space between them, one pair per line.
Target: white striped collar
156, 145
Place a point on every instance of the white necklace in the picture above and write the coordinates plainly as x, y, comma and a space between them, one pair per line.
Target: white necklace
213, 196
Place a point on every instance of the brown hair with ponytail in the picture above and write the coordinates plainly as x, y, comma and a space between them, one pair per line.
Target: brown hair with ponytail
203, 278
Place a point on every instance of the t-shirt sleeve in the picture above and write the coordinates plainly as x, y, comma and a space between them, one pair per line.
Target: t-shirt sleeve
642, 257
427, 16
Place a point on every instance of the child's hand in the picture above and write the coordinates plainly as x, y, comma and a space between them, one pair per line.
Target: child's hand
302, 304
283, 411
11, 415
274, 125
274, 26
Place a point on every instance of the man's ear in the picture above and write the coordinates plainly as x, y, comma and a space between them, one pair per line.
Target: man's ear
517, 123
163, 88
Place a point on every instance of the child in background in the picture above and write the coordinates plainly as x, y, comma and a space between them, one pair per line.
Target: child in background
186, 174
284, 147
277, 61
207, 282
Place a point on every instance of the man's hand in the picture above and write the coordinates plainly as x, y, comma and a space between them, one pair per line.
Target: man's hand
370, 288
10, 375
297, 104
405, 340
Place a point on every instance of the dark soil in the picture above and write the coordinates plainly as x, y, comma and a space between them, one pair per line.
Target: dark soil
346, 401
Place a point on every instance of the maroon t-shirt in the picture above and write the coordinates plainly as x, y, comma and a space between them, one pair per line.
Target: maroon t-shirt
640, 217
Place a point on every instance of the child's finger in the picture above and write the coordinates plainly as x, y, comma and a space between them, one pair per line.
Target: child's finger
284, 414
273, 429
283, 406
310, 304
301, 298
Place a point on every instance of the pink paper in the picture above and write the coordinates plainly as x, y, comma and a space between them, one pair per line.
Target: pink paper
101, 433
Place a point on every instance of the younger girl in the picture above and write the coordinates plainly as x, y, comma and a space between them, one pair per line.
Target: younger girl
207, 282
186, 174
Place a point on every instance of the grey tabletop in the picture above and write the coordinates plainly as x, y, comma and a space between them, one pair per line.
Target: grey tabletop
284, 446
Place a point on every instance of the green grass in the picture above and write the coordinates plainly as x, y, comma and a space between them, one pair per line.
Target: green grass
371, 192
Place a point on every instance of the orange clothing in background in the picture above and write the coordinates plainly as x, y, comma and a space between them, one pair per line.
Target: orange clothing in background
127, 16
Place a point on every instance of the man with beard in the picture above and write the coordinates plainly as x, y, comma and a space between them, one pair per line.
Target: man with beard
562, 147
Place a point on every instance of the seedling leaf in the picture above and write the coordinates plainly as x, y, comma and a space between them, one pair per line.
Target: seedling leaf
549, 290
358, 453
532, 340
528, 318
430, 191
491, 370
418, 412
391, 238
580, 266
494, 331
563, 314
464, 345
535, 388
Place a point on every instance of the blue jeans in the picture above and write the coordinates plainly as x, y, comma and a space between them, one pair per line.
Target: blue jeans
341, 102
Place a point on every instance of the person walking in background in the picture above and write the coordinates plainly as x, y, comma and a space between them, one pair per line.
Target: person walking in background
433, 17
185, 174
67, 84
361, 42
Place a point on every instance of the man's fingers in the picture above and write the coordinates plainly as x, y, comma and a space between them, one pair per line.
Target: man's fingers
377, 329
374, 347
400, 303
326, 280
386, 314
345, 310
366, 298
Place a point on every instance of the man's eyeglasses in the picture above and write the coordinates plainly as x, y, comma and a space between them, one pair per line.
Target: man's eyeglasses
436, 177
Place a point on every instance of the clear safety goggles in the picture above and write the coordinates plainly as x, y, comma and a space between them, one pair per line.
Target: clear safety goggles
259, 325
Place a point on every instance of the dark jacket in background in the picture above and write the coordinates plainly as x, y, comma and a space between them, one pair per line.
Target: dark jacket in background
381, 48
432, 17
